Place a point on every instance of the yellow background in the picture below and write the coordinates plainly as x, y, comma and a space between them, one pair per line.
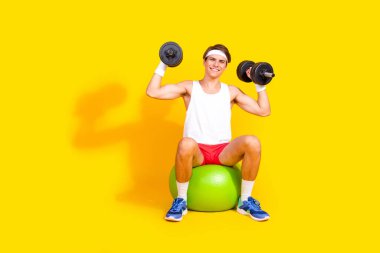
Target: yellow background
85, 155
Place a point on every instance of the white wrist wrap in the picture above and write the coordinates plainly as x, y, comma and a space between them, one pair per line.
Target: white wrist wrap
160, 70
260, 87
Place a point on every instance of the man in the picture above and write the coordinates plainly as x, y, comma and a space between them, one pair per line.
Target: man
207, 131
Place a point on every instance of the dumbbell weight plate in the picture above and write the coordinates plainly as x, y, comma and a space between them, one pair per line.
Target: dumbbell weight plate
241, 71
257, 73
171, 54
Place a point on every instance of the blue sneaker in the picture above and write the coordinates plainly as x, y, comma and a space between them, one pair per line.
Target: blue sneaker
252, 208
178, 209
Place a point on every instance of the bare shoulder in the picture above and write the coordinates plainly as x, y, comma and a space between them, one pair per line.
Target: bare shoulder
234, 91
188, 85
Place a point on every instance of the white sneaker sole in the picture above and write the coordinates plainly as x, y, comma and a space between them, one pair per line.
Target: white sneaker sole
174, 219
243, 212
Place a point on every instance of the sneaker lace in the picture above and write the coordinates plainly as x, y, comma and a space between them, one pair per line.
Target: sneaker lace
176, 207
254, 204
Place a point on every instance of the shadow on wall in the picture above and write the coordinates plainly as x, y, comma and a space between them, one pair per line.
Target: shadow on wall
152, 142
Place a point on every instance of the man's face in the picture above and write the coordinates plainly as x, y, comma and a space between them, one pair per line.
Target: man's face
215, 65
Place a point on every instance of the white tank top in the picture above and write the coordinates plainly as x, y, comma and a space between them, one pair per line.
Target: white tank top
208, 116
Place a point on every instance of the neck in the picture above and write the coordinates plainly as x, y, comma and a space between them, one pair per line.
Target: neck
210, 83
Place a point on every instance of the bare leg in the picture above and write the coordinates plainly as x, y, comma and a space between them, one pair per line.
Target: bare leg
245, 147
188, 156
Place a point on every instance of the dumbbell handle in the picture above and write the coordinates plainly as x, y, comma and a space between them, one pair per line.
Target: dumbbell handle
268, 74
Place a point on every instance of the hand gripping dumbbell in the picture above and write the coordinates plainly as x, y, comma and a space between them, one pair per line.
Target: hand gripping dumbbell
261, 72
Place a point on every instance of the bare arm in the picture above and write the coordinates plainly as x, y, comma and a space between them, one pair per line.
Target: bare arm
261, 107
169, 91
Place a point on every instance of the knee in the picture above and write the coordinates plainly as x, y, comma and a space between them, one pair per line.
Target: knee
186, 146
252, 143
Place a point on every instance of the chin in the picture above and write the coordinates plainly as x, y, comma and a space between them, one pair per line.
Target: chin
214, 75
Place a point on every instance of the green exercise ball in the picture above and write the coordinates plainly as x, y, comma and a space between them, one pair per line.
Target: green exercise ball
211, 188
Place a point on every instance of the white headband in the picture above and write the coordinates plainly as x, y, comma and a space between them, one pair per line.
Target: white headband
217, 52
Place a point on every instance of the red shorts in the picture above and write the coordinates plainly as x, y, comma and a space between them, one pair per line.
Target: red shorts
211, 152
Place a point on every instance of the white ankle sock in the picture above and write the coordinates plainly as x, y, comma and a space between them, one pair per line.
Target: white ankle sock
182, 189
246, 189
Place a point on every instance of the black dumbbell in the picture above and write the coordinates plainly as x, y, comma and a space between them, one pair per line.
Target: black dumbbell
171, 54
261, 72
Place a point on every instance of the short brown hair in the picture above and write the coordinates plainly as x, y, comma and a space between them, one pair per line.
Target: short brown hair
220, 47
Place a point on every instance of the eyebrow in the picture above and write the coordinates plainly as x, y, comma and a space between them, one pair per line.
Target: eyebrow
221, 60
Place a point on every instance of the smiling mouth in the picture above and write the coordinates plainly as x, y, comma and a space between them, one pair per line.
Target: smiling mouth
214, 69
